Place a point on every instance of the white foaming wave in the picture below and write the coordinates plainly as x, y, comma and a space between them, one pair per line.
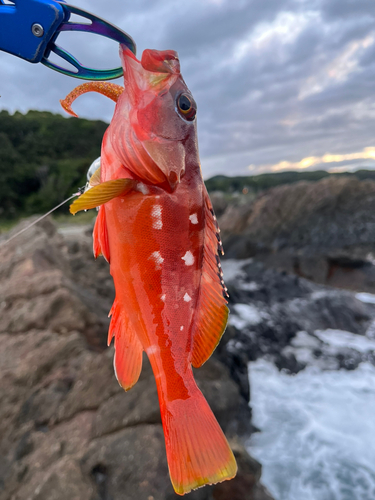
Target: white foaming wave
232, 268
318, 432
243, 315
340, 338
367, 298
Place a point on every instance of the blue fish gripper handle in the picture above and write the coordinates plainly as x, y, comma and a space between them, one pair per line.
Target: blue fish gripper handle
27, 26
29, 29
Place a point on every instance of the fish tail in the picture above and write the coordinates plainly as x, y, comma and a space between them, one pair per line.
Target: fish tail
197, 450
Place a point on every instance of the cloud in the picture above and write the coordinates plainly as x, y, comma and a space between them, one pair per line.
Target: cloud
338, 70
282, 31
315, 161
276, 81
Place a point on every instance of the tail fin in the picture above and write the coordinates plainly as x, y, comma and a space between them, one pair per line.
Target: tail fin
197, 450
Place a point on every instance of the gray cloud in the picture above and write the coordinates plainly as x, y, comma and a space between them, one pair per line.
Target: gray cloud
275, 80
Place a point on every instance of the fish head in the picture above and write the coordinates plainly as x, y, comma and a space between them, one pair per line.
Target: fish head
153, 130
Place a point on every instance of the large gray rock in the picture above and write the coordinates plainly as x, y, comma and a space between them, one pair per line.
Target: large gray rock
39, 288
67, 429
323, 231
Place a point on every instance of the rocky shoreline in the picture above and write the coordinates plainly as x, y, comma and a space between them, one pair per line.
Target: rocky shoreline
289, 320
306, 248
67, 429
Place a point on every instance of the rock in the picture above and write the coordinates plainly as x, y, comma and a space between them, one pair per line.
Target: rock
63, 481
219, 202
129, 464
245, 486
39, 290
323, 231
67, 429
288, 362
140, 405
279, 316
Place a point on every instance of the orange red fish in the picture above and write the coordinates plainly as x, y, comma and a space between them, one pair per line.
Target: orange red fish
157, 229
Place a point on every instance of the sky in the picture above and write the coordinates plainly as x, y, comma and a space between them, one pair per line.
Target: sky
279, 84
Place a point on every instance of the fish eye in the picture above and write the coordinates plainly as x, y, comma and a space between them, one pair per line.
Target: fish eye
186, 107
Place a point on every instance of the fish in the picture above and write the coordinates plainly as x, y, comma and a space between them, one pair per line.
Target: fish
157, 229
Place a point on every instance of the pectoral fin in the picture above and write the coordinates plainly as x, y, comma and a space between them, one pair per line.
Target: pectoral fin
97, 195
95, 178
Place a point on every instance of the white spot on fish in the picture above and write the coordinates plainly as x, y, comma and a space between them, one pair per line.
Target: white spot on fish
193, 219
163, 297
188, 258
142, 188
156, 215
156, 256
187, 297
181, 328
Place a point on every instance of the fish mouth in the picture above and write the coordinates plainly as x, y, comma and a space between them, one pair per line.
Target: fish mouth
161, 61
155, 66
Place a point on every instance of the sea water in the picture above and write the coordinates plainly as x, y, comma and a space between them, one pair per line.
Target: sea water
318, 432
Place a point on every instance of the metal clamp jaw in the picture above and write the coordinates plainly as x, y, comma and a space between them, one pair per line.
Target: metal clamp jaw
29, 29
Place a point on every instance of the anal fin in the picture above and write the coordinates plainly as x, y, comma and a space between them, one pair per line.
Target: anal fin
128, 349
212, 312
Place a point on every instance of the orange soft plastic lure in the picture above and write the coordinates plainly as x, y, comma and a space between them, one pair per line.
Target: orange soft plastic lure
157, 229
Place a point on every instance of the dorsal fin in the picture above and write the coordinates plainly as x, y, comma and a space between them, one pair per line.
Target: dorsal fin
212, 311
128, 349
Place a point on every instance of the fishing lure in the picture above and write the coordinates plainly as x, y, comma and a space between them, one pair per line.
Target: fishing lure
157, 229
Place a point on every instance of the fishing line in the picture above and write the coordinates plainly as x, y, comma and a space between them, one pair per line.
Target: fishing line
3, 243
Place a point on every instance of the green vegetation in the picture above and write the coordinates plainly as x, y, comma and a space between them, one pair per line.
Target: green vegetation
43, 159
257, 183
